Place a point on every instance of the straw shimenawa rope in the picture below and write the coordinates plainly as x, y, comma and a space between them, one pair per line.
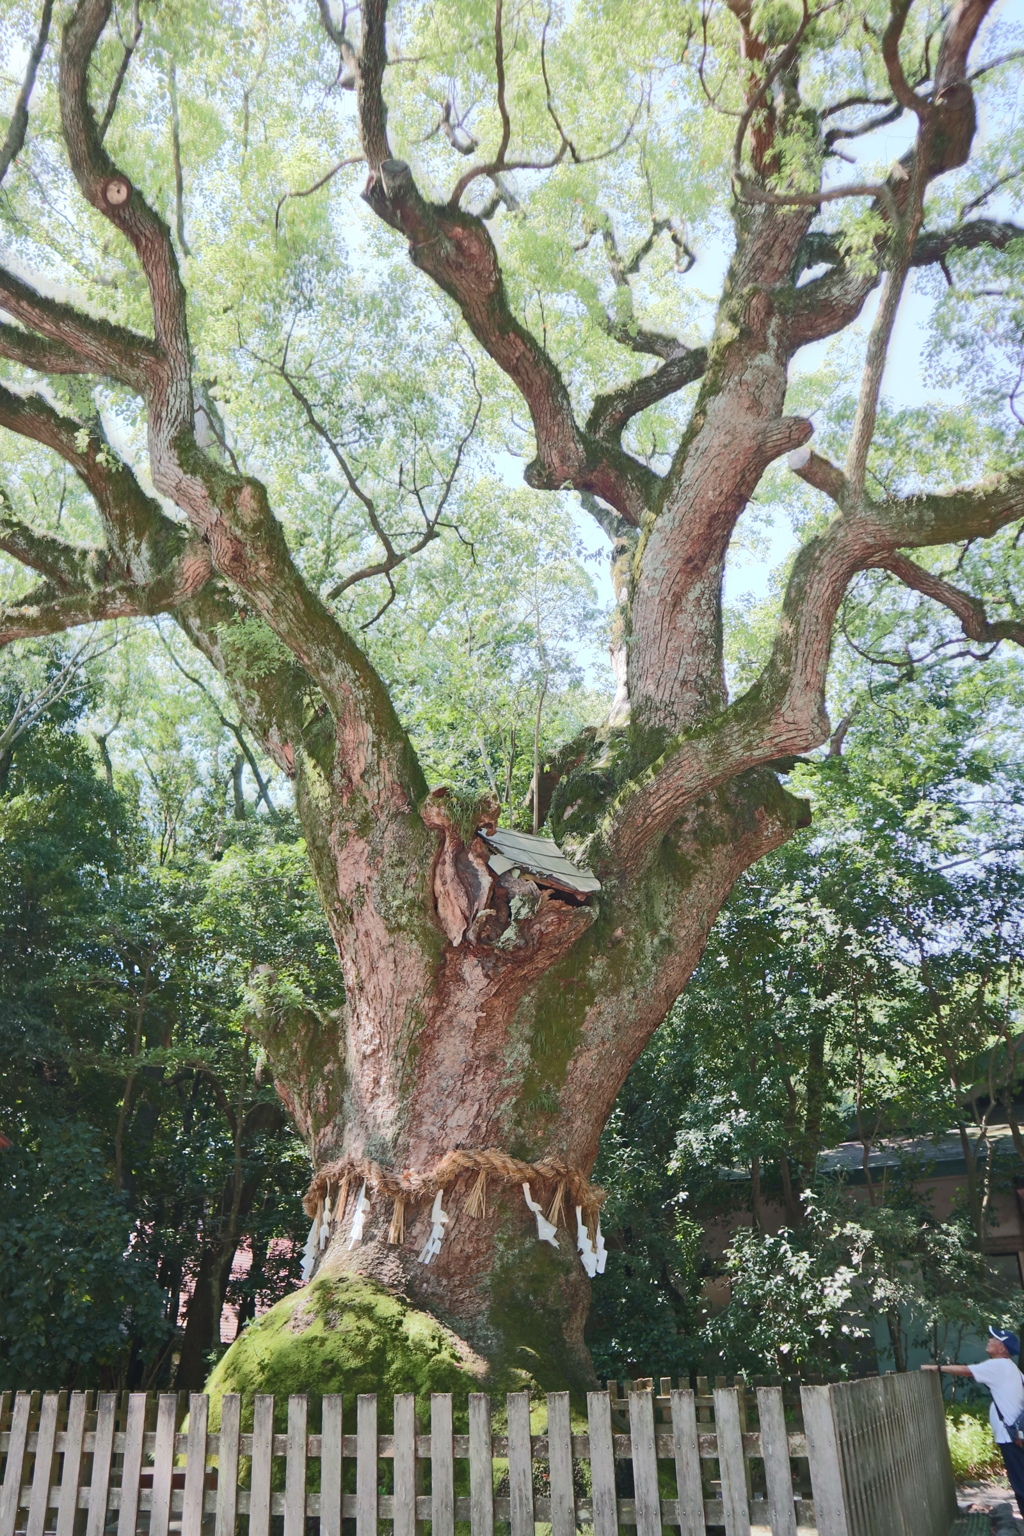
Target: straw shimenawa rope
406, 1189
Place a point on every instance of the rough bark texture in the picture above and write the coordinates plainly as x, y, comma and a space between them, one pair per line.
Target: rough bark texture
481, 1011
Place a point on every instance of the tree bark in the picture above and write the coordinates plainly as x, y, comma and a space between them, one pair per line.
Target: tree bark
525, 1030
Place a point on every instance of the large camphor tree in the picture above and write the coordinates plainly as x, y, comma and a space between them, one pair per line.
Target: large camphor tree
553, 175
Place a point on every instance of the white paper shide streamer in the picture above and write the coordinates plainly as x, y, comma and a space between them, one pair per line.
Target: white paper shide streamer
438, 1217
593, 1255
359, 1219
325, 1225
309, 1253
546, 1231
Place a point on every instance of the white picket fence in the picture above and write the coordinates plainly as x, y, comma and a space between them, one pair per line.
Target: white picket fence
130, 1465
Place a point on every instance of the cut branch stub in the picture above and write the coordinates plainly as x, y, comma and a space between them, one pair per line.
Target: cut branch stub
116, 191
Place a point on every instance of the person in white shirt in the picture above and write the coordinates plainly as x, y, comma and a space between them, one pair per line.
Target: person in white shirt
1000, 1374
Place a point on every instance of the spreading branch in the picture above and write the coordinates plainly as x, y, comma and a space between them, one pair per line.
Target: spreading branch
43, 613
72, 341
433, 521
14, 139
322, 182
971, 612
101, 181
454, 248
122, 71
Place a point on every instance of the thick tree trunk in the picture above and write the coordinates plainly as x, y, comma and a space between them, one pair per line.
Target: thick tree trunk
505, 1033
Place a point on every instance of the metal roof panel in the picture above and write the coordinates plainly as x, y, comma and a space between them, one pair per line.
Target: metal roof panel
541, 856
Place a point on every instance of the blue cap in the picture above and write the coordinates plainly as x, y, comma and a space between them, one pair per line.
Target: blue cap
1009, 1341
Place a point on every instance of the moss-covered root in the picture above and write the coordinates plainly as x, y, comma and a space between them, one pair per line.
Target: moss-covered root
348, 1335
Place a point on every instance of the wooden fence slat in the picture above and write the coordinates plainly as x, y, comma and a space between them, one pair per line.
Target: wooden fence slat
330, 1466
262, 1464
366, 1464
99, 1484
823, 1456
227, 1465
442, 1465
645, 1463
602, 1464
131, 1463
731, 1464
71, 1470
778, 1474
481, 1470
11, 1487
163, 1463
39, 1498
195, 1466
294, 1469
520, 1464
872, 1447
689, 1488
563, 1499
405, 1462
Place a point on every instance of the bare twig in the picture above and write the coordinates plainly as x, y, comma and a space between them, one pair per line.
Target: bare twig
983, 197
179, 183
308, 191
493, 168
433, 521
228, 724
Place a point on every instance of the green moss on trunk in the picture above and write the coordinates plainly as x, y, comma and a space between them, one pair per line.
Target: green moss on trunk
347, 1335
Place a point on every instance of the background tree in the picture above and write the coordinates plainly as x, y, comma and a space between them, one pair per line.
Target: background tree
193, 382
861, 984
146, 1146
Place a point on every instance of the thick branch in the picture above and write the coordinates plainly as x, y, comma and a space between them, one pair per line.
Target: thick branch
138, 531
833, 301
974, 621
935, 245
929, 517
784, 712
101, 183
15, 137
611, 412
454, 248
66, 566
78, 343
41, 613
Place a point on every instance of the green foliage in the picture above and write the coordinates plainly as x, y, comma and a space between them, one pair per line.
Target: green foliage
76, 1295
794, 1305
252, 647
862, 983
972, 1448
132, 1094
